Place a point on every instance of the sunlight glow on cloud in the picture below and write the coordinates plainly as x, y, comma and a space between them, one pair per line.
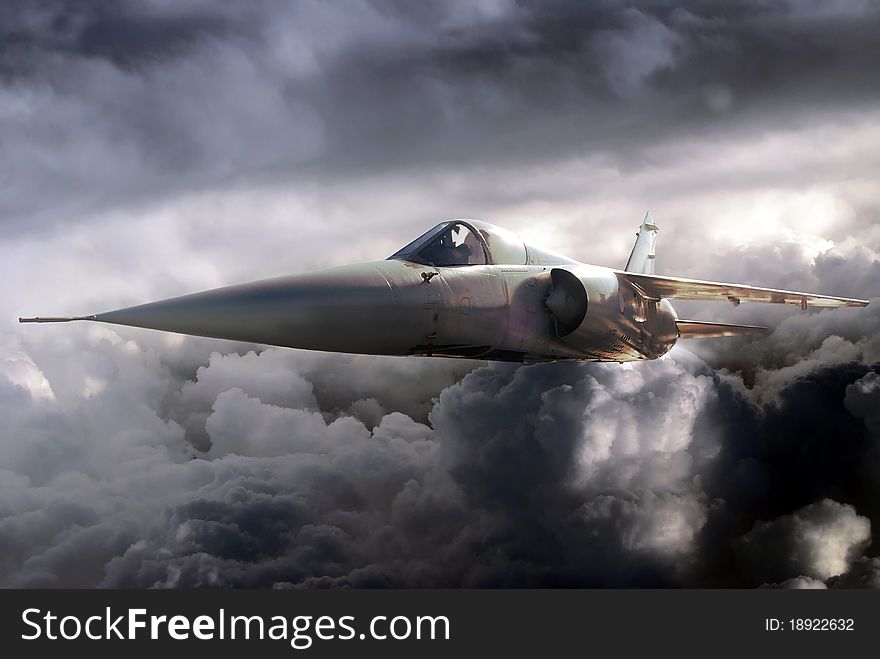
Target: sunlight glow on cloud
157, 149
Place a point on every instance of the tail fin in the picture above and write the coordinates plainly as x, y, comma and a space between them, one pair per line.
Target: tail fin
641, 259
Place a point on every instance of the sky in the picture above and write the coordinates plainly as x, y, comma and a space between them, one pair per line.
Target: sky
151, 149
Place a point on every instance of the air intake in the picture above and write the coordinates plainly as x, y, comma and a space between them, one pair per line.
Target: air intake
567, 301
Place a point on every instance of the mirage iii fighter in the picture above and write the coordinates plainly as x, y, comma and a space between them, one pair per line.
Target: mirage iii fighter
465, 289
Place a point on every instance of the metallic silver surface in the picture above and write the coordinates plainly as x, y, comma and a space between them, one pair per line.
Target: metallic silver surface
641, 259
464, 289
702, 329
657, 287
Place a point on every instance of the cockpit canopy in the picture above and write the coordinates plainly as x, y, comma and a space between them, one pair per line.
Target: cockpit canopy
472, 242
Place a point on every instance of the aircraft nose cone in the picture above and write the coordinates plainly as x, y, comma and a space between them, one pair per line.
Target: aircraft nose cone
346, 309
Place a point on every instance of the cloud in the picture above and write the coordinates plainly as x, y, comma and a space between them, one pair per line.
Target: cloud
152, 150
817, 541
803, 583
557, 474
864, 573
169, 99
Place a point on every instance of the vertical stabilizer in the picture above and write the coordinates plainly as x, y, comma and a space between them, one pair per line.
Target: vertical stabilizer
641, 260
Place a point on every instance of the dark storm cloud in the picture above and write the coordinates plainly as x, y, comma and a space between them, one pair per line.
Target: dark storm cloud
126, 101
130, 458
799, 450
553, 475
126, 33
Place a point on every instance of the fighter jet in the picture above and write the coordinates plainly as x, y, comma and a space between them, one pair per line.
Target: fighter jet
465, 289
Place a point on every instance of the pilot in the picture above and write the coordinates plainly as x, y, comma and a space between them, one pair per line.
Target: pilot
475, 250
442, 251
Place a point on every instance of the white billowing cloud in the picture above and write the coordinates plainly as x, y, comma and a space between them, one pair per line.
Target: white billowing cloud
653, 524
803, 583
21, 371
636, 423
819, 541
268, 377
245, 426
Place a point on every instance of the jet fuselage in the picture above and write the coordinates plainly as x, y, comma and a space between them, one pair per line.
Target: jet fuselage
398, 307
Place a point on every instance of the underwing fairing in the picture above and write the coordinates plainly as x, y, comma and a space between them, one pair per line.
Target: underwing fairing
465, 289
